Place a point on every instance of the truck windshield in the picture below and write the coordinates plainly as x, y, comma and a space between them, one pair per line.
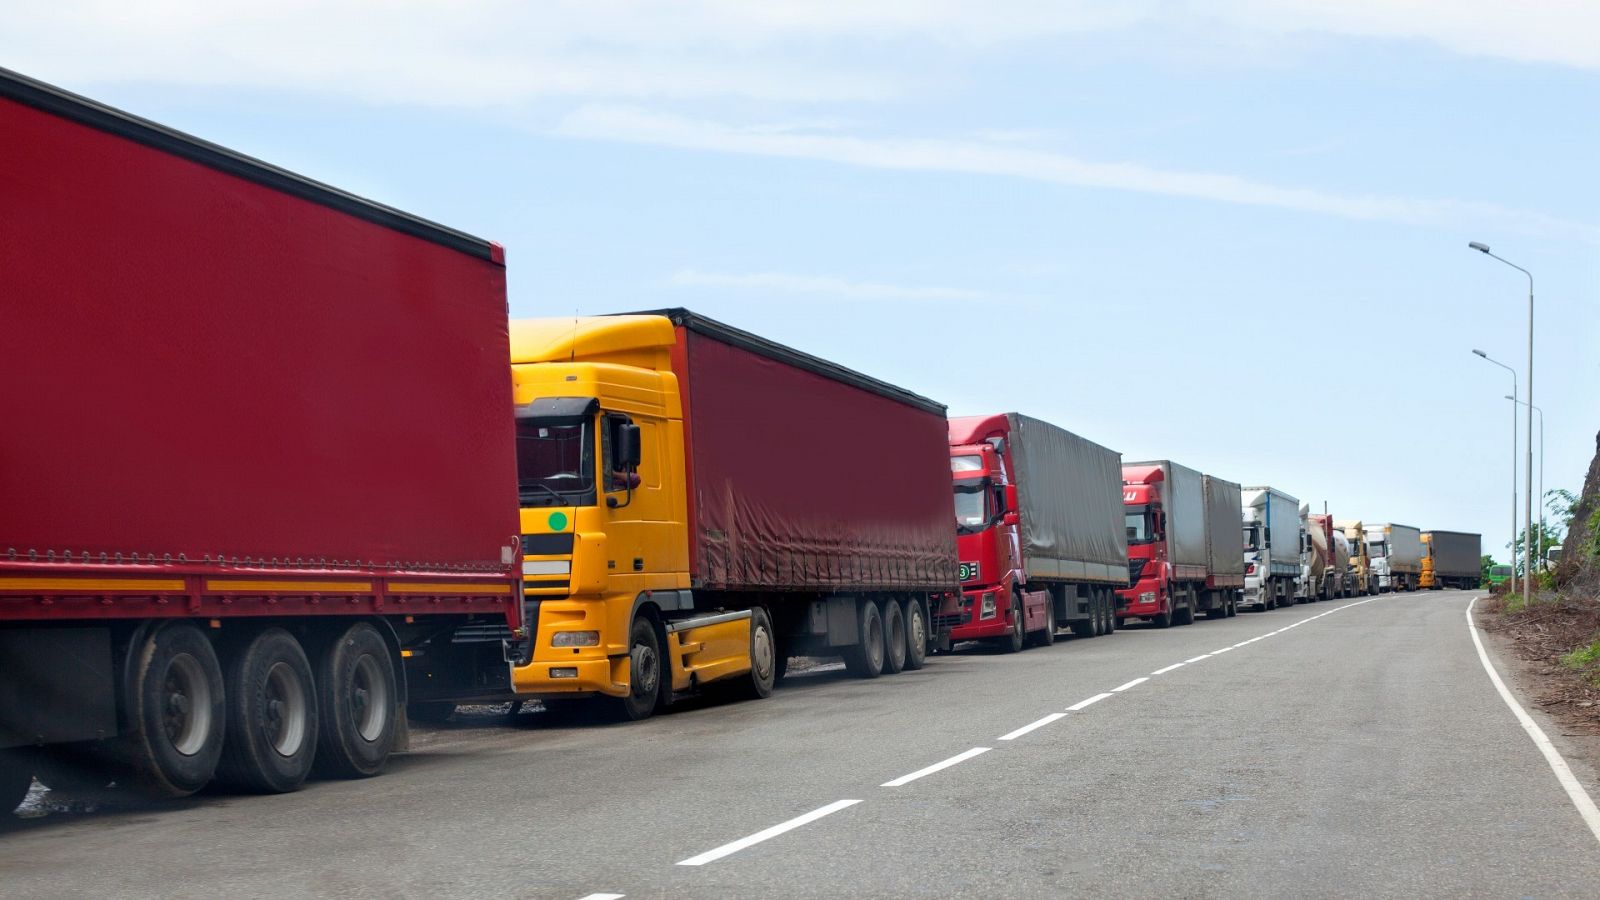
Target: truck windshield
1377, 550
1252, 537
972, 507
555, 463
1138, 522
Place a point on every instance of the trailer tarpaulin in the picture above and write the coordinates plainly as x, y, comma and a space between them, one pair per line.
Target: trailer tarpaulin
1070, 491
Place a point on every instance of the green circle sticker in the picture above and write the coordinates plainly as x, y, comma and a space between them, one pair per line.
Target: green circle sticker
558, 521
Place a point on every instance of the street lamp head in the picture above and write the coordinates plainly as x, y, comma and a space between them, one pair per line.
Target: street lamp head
1480, 247
1481, 353
1511, 398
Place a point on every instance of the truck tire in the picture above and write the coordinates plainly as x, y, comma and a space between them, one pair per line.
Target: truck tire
1233, 605
174, 699
1102, 614
356, 695
1110, 598
758, 682
272, 716
644, 674
1088, 628
1017, 639
864, 659
430, 712
1163, 619
916, 634
894, 638
16, 776
1185, 616
1047, 636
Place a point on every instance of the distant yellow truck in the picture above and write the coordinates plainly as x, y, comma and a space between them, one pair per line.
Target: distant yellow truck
1451, 559
1361, 576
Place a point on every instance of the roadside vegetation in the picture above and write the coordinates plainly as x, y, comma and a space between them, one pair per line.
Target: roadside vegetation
1556, 632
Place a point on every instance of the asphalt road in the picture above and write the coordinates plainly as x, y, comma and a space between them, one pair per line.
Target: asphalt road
1361, 753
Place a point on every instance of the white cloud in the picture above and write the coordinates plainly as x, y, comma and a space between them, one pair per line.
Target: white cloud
979, 158
473, 53
825, 285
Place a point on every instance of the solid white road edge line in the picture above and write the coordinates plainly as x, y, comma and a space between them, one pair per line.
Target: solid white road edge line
766, 834
1132, 684
1081, 704
1575, 792
1168, 669
1013, 735
945, 764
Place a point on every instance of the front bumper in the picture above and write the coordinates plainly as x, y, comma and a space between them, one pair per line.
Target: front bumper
971, 626
570, 678
1143, 600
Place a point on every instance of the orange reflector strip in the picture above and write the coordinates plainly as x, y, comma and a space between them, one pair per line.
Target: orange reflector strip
447, 588
325, 587
91, 584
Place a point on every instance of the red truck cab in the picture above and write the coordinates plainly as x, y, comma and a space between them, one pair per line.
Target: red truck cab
994, 592
1148, 575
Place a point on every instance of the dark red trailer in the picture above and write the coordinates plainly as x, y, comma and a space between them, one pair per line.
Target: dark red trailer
256, 443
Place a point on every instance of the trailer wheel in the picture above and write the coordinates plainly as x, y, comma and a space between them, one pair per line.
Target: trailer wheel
1100, 612
272, 716
894, 638
1233, 605
864, 659
757, 683
916, 634
174, 701
356, 695
1109, 597
644, 673
16, 776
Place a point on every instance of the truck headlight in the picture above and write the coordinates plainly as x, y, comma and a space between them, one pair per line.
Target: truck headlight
986, 610
1147, 597
575, 639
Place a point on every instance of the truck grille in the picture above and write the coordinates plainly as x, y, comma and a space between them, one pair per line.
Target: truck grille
1135, 570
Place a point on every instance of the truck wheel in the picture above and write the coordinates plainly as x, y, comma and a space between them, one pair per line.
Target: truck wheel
864, 659
16, 776
1233, 605
916, 635
174, 701
1109, 598
1047, 636
1185, 616
1101, 613
1163, 619
894, 638
272, 716
757, 683
644, 673
1017, 639
1088, 628
356, 694
430, 712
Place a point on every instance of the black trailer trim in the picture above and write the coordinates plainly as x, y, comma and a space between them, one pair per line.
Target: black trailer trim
760, 346
51, 99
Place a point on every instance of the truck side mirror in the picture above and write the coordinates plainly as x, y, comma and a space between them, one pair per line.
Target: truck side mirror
1011, 499
1010, 519
628, 450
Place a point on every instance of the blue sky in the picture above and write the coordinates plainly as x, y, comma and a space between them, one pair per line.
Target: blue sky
1233, 237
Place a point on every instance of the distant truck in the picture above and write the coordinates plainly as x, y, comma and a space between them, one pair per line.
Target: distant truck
1039, 530
1396, 552
1451, 559
1321, 569
1362, 579
1185, 548
1271, 546
256, 453
700, 503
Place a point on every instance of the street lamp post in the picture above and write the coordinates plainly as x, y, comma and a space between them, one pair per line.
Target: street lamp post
1527, 515
1512, 547
1541, 475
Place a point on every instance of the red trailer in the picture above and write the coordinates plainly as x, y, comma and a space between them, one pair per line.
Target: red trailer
256, 448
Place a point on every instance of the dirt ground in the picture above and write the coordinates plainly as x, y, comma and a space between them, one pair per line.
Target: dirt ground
1530, 643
